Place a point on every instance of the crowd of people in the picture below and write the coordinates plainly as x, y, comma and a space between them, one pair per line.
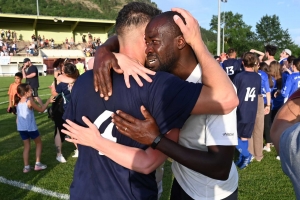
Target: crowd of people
9, 45
129, 133
90, 45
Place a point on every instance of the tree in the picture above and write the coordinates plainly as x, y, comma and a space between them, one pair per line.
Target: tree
269, 31
238, 34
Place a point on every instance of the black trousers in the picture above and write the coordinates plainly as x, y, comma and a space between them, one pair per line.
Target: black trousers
177, 193
267, 128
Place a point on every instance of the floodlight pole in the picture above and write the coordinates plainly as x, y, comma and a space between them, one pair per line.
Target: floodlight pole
219, 26
223, 31
37, 8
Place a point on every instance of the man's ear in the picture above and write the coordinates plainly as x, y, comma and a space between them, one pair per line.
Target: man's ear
180, 42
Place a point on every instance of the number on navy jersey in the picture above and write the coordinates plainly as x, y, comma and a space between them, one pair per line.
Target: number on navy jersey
108, 131
250, 94
229, 70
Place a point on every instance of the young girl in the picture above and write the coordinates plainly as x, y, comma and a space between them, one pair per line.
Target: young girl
26, 124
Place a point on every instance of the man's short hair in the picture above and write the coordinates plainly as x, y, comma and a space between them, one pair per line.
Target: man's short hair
296, 62
250, 59
26, 60
135, 14
271, 49
173, 27
79, 59
290, 59
231, 51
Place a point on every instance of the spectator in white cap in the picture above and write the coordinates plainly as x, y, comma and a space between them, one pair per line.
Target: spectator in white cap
284, 55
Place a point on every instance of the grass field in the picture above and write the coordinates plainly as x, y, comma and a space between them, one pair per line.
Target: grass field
261, 180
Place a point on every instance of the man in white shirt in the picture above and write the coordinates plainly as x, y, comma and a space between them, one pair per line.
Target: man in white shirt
203, 166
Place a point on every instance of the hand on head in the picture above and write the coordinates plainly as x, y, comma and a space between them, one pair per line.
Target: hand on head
190, 30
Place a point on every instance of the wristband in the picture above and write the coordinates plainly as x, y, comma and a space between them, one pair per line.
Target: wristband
156, 141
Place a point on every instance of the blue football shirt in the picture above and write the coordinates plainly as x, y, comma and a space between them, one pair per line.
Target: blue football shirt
168, 99
265, 85
291, 85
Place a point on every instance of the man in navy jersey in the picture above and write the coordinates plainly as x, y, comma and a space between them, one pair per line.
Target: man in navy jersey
232, 66
248, 85
168, 99
211, 158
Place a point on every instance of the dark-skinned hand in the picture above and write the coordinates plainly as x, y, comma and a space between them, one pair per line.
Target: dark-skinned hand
142, 131
104, 61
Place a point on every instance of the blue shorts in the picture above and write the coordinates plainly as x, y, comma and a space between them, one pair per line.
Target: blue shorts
245, 129
29, 134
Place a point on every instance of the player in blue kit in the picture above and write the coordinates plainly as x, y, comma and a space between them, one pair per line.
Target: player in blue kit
232, 66
248, 85
293, 81
168, 99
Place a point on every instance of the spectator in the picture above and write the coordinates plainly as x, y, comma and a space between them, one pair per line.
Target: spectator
32, 78
284, 55
80, 66
14, 35
14, 48
8, 35
83, 39
52, 43
71, 42
12, 91
45, 69
27, 126
2, 34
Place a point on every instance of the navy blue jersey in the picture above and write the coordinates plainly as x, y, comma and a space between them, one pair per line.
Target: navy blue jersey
63, 89
248, 85
168, 99
232, 67
277, 101
291, 85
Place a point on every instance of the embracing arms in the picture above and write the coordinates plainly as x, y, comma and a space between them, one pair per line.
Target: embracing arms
143, 161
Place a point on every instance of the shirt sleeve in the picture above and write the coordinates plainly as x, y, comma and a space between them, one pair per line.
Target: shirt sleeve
286, 90
172, 100
267, 84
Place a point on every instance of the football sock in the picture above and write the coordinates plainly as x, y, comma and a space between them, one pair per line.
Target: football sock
242, 147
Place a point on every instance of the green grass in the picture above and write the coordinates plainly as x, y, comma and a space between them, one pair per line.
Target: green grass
260, 180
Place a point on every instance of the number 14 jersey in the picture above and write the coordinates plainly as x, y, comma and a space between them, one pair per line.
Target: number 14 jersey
248, 85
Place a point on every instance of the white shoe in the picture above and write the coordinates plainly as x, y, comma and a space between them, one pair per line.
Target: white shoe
76, 153
267, 149
61, 159
278, 157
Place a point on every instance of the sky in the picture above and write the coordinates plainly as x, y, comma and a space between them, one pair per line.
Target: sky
252, 11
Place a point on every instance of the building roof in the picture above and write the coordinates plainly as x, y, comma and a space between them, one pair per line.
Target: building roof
73, 22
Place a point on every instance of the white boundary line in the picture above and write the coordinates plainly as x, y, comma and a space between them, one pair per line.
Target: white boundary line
34, 188
39, 96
